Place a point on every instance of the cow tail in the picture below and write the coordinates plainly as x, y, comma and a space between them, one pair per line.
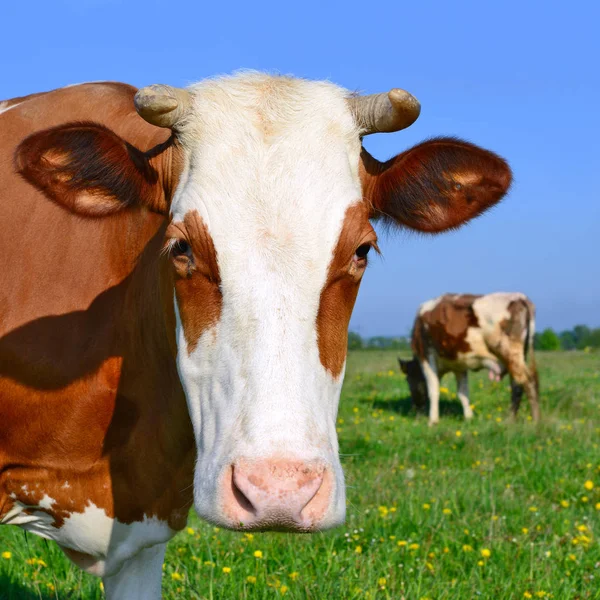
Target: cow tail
529, 350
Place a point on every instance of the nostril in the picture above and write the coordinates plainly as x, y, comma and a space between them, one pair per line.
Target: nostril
316, 507
239, 495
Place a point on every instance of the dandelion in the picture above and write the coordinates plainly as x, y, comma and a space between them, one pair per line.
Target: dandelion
426, 506
582, 528
467, 548
458, 433
527, 595
358, 550
447, 511
401, 543
50, 586
190, 531
294, 575
446, 550
588, 485
486, 552
597, 506
585, 499
564, 503
251, 579
176, 576
381, 581
258, 554
548, 554
480, 563
572, 557
226, 570
533, 509
7, 555
283, 589
414, 547
525, 530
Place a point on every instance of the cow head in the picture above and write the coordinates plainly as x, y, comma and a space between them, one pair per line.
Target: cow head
416, 382
268, 236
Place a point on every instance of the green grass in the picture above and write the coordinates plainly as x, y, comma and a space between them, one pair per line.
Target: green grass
423, 505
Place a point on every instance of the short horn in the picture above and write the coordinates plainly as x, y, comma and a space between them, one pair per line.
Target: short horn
386, 112
162, 105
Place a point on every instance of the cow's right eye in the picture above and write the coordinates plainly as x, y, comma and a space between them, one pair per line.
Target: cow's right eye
181, 248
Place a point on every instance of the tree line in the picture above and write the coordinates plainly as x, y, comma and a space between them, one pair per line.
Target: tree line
578, 338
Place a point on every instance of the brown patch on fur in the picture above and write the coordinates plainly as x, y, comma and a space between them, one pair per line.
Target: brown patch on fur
89, 389
341, 288
197, 279
434, 186
446, 326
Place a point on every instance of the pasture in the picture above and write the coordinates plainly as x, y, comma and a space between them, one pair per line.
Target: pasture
485, 509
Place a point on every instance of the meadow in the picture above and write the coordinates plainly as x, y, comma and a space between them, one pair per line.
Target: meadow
484, 509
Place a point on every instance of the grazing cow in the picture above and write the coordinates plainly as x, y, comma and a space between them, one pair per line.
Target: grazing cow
173, 253
461, 332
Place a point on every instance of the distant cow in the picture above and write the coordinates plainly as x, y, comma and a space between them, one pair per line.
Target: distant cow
458, 332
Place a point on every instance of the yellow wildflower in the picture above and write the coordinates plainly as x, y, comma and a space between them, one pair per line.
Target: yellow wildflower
467, 548
533, 508
527, 595
358, 549
597, 505
190, 531
50, 586
283, 589
401, 543
446, 550
480, 563
584, 499
414, 547
382, 581
447, 511
258, 554
176, 576
486, 553
251, 579
294, 575
588, 485
525, 530
564, 503
226, 570
458, 433
7, 555
426, 506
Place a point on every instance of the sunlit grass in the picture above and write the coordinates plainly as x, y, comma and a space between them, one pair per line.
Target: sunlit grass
487, 509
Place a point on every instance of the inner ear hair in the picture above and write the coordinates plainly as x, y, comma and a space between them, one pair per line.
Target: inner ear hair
87, 168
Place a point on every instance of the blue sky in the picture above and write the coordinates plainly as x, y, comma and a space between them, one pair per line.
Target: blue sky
521, 78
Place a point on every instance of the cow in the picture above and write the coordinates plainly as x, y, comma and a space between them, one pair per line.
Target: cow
178, 271
456, 333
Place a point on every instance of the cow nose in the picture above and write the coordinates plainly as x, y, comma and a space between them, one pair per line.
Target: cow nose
288, 495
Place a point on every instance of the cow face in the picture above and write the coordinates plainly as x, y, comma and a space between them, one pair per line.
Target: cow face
267, 241
416, 382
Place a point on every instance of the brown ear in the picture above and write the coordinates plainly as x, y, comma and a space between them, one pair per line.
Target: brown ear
437, 185
88, 169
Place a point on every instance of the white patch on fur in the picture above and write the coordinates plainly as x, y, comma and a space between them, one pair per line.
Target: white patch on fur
92, 532
5, 107
429, 305
272, 167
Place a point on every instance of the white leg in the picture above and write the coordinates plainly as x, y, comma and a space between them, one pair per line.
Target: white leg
462, 385
139, 578
433, 390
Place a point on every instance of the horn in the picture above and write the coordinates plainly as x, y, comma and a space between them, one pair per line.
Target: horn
386, 112
162, 105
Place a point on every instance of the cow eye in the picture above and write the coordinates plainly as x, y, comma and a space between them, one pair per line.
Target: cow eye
181, 248
362, 251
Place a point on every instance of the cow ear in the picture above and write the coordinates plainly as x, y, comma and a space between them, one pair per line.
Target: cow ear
437, 185
89, 169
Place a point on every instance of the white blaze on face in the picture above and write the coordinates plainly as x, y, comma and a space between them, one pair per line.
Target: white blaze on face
272, 166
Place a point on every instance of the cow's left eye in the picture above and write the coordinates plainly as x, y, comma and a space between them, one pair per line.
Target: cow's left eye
362, 251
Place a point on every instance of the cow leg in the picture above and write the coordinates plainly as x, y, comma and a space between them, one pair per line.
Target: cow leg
139, 578
516, 396
433, 391
521, 375
462, 387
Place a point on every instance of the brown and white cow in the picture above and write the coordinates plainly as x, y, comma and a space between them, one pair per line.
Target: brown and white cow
455, 333
177, 253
